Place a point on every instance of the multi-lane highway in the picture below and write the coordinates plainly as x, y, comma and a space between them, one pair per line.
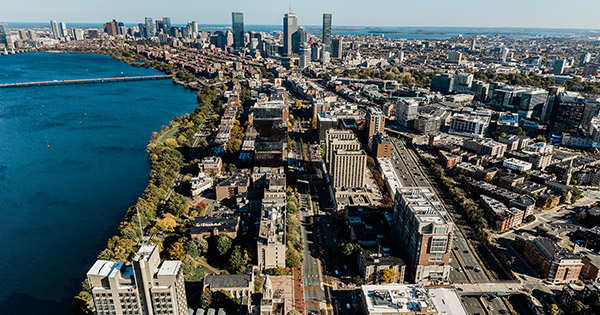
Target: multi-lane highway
466, 267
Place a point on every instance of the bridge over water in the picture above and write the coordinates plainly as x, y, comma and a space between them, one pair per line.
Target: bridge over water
85, 81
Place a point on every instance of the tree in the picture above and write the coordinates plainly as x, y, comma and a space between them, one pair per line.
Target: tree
358, 280
206, 298
298, 104
314, 123
196, 247
171, 143
348, 249
553, 309
574, 307
203, 144
292, 258
223, 244
388, 276
576, 194
167, 224
370, 162
293, 312
178, 205
530, 218
540, 138
238, 260
177, 251
292, 208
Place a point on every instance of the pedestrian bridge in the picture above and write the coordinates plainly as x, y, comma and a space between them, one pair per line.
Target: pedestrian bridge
498, 288
85, 81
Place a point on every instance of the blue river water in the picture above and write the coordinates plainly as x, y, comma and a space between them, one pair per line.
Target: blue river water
72, 160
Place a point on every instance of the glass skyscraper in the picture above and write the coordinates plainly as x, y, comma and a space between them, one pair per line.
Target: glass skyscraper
327, 32
290, 26
237, 24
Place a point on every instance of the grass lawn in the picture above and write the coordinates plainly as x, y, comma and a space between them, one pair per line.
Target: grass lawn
168, 134
198, 274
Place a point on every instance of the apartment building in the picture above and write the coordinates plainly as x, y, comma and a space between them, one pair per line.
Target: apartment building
143, 286
424, 231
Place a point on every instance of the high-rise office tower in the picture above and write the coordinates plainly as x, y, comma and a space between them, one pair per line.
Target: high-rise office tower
505, 52
195, 30
473, 43
22, 34
567, 113
401, 56
327, 32
166, 22
298, 38
55, 30
143, 286
315, 52
336, 48
424, 230
3, 33
290, 26
559, 66
585, 58
237, 25
304, 55
63, 29
32, 35
150, 29
111, 28
78, 34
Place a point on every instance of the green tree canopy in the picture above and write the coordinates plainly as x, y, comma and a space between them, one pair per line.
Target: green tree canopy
223, 244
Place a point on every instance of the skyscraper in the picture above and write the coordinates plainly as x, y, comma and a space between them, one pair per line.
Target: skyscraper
195, 30
290, 26
142, 286
327, 32
348, 168
336, 48
150, 29
237, 24
111, 28
55, 30
3, 33
166, 21
505, 52
304, 54
63, 30
299, 38
585, 58
559, 66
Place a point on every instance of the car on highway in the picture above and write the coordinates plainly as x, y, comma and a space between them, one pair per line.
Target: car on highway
490, 308
477, 269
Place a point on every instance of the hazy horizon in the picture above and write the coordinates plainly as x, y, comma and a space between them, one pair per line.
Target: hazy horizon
579, 14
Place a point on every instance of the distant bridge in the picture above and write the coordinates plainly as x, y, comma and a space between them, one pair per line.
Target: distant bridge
85, 81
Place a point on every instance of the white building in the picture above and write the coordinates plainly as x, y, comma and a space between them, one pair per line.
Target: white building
517, 165
471, 125
143, 286
201, 183
410, 300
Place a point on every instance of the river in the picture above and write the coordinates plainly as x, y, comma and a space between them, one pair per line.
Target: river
72, 160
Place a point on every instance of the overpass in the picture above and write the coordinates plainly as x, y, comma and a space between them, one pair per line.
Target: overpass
489, 288
85, 81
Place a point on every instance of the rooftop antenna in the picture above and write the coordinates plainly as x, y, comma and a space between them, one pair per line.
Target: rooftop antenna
139, 222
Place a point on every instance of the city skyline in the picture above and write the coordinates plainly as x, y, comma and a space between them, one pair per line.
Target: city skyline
436, 13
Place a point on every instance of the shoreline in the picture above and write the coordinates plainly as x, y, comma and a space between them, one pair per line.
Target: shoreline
81, 303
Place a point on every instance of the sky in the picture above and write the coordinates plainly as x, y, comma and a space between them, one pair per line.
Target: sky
470, 13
